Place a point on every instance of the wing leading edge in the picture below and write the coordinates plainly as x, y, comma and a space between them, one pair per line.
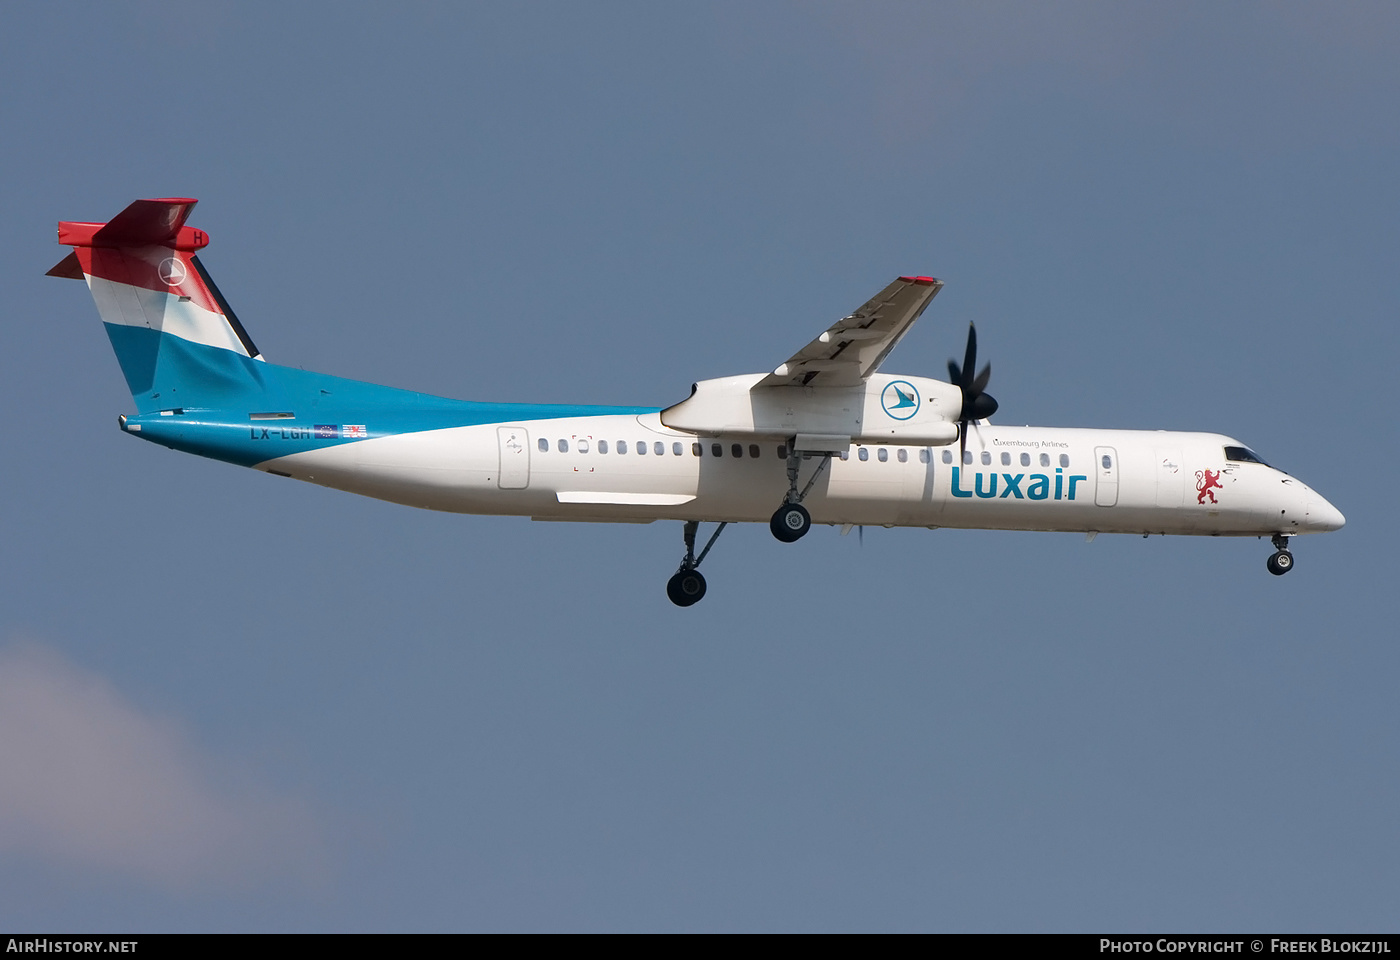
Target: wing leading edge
853, 347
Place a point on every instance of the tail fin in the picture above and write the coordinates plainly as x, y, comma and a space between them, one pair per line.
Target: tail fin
175, 336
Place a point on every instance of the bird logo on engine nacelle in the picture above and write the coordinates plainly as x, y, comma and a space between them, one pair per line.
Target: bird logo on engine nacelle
900, 398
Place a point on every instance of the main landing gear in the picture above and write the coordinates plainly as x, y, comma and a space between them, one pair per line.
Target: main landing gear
792, 521
687, 585
1282, 561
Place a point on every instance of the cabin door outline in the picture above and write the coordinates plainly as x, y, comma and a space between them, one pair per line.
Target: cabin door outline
514, 446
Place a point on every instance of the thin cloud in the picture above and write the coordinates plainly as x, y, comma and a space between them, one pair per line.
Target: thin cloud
89, 780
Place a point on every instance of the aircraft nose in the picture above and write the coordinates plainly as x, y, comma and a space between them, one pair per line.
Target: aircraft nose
1322, 516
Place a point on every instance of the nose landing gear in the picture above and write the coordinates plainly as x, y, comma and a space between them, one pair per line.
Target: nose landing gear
1282, 561
687, 585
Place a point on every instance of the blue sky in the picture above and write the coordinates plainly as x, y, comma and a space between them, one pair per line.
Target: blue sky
231, 702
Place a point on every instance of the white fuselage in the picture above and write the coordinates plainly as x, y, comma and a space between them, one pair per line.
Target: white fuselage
1018, 478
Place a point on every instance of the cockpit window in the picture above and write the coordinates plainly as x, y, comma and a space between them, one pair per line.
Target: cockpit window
1242, 454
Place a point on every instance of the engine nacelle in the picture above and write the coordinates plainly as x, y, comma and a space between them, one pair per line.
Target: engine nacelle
883, 409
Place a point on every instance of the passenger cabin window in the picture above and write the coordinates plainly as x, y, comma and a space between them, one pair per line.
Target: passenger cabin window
563, 446
695, 449
1005, 459
947, 456
754, 451
863, 454
1064, 460
677, 449
622, 446
1025, 459
543, 445
967, 457
925, 455
717, 449
1107, 462
602, 446
642, 449
1243, 455
883, 454
737, 450
1045, 459
658, 448
902, 455
986, 458
782, 451
582, 446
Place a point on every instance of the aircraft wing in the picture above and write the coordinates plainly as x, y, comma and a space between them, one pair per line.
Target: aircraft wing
854, 347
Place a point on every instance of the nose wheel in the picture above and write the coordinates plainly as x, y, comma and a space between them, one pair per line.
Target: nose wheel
1282, 561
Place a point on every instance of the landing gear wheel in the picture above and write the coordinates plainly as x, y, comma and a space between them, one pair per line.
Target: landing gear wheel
791, 522
685, 588
1280, 563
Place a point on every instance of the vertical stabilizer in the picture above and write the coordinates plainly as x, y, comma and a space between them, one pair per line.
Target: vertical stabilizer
176, 338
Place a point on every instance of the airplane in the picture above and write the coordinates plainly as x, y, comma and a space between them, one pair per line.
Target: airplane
824, 437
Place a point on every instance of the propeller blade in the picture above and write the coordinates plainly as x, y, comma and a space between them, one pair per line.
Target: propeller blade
970, 358
977, 404
980, 384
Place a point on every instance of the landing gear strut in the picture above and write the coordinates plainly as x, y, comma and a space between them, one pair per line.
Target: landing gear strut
687, 586
1282, 561
792, 521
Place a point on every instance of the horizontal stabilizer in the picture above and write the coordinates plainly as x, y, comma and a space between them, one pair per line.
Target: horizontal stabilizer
147, 221
69, 268
144, 223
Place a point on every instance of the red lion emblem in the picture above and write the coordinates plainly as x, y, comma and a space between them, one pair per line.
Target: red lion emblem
1206, 481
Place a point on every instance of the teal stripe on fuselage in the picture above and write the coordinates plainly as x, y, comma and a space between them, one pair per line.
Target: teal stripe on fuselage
217, 391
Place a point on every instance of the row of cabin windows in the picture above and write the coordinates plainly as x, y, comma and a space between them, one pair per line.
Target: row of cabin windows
736, 450
658, 449
883, 454
1005, 458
